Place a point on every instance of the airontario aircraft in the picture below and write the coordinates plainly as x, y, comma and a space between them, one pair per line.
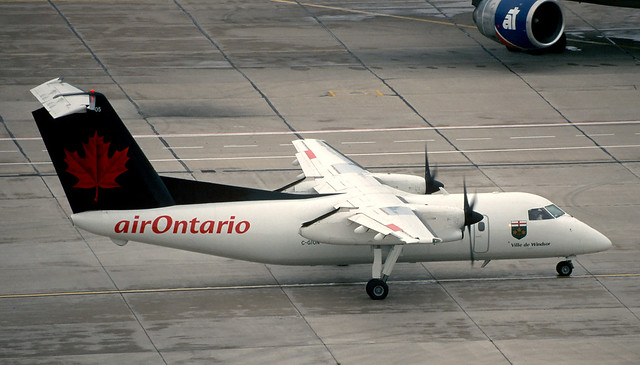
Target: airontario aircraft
338, 213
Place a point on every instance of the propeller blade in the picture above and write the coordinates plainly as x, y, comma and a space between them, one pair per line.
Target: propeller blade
471, 217
431, 184
466, 200
470, 247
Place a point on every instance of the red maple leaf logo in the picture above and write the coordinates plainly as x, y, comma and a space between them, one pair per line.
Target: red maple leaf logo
96, 169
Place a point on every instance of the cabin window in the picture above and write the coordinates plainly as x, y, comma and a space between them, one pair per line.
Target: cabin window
536, 214
554, 210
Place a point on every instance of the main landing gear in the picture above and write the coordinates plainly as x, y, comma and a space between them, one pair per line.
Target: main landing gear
564, 268
377, 288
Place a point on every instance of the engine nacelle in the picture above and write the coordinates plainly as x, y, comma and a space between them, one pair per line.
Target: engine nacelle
407, 183
520, 24
446, 222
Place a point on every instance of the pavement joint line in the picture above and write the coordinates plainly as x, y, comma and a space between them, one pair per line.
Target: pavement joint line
390, 87
541, 96
109, 74
302, 315
235, 67
611, 292
607, 38
313, 285
365, 12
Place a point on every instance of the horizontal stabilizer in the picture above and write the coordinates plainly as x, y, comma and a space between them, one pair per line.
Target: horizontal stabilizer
199, 192
61, 99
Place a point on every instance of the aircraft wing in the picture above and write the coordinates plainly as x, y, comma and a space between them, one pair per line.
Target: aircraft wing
334, 172
369, 204
318, 159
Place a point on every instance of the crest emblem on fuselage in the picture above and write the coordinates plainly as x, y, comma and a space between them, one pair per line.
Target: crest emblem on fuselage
518, 229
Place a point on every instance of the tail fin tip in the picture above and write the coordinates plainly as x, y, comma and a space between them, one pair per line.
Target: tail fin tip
62, 99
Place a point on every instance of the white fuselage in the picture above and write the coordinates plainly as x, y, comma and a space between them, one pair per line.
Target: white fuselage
269, 231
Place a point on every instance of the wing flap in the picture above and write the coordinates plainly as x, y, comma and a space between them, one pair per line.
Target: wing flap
398, 221
382, 230
367, 226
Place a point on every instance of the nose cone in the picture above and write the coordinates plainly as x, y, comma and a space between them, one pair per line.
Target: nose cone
601, 242
591, 240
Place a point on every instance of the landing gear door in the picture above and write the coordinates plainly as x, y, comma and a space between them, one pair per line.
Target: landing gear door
481, 235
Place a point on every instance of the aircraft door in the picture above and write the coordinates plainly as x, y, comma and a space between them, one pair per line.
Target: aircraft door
481, 236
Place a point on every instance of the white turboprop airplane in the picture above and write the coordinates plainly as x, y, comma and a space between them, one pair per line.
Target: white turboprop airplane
338, 214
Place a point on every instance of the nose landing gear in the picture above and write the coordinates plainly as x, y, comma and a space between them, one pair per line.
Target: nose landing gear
564, 268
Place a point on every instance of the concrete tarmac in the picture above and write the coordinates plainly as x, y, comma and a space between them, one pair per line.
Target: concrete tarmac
216, 90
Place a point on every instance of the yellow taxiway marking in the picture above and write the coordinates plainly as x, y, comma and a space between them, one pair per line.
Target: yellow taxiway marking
167, 290
371, 13
307, 285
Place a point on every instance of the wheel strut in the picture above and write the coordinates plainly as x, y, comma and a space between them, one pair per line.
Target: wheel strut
377, 288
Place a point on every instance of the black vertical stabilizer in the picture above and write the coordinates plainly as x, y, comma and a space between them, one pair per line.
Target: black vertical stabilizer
100, 165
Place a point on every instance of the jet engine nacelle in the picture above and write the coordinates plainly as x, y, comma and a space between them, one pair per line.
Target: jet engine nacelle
521, 24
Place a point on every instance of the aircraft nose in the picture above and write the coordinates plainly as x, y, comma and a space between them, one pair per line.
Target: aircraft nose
594, 240
602, 242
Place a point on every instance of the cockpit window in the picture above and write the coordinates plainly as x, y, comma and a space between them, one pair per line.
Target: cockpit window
539, 214
548, 212
555, 211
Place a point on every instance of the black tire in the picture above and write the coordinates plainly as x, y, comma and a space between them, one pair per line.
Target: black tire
377, 289
564, 268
